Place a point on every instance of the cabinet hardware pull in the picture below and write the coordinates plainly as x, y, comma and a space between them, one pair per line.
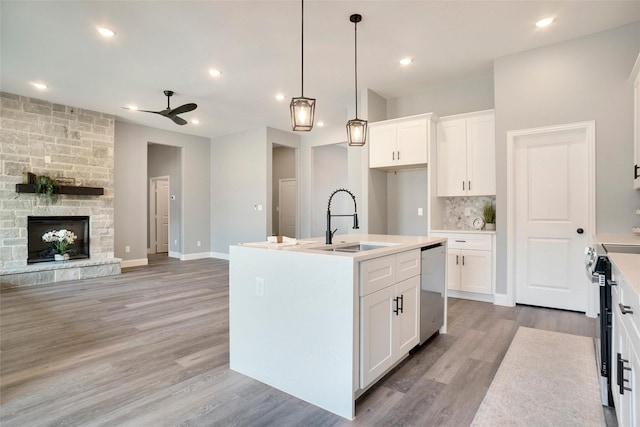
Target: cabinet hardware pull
469, 185
393, 155
398, 155
462, 259
625, 309
621, 379
457, 259
636, 175
401, 297
462, 185
461, 241
397, 309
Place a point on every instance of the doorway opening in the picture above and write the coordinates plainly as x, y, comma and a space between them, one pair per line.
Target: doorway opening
284, 215
159, 212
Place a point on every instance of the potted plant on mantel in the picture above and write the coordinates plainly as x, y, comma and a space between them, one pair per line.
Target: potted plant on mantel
489, 216
45, 185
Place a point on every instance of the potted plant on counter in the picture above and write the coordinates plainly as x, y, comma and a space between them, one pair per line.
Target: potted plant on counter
489, 216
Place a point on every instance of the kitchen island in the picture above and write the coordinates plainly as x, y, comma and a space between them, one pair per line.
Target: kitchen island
306, 318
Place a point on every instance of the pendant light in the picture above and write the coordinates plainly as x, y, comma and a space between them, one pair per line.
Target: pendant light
356, 128
302, 109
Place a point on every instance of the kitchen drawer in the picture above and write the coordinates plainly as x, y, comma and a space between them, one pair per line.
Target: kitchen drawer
624, 294
472, 241
377, 274
407, 265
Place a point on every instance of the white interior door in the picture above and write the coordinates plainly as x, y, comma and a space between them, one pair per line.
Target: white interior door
287, 205
551, 217
162, 216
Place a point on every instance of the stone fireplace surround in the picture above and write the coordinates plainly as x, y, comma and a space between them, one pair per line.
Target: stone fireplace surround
59, 141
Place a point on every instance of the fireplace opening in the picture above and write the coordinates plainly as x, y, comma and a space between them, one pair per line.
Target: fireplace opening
41, 251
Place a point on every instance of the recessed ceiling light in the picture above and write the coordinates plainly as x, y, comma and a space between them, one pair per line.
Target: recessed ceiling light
106, 32
544, 22
406, 61
214, 72
39, 85
279, 97
132, 107
195, 121
320, 124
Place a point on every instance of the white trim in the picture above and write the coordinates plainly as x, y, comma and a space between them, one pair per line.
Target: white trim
150, 251
134, 262
151, 217
173, 254
219, 255
589, 128
501, 299
188, 257
474, 296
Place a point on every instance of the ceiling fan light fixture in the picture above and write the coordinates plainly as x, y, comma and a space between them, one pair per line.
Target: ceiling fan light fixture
356, 128
302, 109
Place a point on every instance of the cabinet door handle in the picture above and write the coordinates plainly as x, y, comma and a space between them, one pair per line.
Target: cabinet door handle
469, 185
636, 175
621, 379
401, 298
462, 185
457, 257
397, 309
393, 155
461, 241
398, 155
625, 309
462, 259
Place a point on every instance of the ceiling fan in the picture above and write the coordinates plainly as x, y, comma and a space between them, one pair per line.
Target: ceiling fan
173, 113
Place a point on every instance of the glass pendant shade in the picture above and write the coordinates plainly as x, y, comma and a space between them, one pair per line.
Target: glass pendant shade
302, 112
356, 132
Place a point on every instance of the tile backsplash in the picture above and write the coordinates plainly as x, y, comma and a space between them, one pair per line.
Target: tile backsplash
454, 207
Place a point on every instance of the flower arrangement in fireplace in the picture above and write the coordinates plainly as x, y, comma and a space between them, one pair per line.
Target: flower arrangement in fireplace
60, 240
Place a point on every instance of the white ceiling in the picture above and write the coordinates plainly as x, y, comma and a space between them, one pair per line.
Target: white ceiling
256, 44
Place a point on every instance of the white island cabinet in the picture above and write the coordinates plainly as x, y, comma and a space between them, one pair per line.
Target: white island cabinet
301, 317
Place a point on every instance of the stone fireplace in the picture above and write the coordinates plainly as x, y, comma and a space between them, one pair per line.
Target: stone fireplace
41, 251
57, 141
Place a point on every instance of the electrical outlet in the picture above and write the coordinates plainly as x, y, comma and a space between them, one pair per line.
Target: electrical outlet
259, 286
259, 207
47, 159
420, 212
127, 249
198, 243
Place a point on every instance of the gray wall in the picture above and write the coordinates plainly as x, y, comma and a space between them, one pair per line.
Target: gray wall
130, 179
329, 173
406, 192
238, 184
578, 80
164, 160
284, 167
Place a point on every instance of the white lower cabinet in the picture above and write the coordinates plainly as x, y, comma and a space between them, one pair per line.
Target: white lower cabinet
389, 315
625, 347
470, 262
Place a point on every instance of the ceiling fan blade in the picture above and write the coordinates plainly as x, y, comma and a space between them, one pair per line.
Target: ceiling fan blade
178, 120
184, 108
149, 111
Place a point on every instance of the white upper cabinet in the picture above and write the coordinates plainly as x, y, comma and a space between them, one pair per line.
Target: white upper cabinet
635, 79
400, 143
466, 155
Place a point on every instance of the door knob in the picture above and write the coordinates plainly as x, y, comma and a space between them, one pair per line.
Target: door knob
580, 231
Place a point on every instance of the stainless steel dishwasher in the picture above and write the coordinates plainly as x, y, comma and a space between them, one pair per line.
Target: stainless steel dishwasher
432, 293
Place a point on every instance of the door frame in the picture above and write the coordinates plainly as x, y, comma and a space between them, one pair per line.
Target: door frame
280, 181
589, 128
152, 249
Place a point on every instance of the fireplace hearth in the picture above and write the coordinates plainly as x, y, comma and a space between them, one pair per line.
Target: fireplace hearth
41, 251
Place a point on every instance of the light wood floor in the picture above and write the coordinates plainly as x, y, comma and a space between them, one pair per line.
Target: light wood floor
150, 348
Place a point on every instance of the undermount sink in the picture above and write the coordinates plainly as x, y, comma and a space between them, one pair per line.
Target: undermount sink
355, 247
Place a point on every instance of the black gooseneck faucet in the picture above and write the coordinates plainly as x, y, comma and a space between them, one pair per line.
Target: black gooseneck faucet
330, 233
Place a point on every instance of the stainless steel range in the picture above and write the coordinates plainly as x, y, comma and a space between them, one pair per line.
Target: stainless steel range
598, 268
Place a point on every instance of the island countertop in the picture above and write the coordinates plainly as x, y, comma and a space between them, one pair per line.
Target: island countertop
316, 246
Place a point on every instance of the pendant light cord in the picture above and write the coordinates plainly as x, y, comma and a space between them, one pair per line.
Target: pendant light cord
302, 51
355, 33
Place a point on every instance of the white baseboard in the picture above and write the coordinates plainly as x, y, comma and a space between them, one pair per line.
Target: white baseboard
150, 251
501, 299
188, 257
134, 262
218, 255
175, 255
469, 295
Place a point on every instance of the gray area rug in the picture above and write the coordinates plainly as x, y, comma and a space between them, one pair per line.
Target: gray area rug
545, 379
